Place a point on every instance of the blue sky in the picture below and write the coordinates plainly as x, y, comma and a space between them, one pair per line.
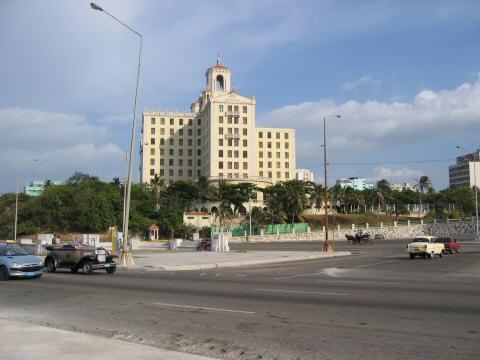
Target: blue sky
403, 74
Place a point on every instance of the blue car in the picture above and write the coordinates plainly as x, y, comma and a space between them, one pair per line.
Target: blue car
15, 261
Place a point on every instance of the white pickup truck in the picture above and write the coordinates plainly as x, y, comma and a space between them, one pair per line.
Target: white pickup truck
425, 246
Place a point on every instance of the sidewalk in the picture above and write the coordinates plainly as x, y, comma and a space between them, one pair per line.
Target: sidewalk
202, 260
20, 341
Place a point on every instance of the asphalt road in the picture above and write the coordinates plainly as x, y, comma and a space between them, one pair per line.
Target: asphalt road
376, 304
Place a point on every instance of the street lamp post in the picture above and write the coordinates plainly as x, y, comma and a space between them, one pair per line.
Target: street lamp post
326, 246
16, 196
476, 190
126, 257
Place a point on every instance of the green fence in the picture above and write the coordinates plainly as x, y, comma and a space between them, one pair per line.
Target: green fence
267, 229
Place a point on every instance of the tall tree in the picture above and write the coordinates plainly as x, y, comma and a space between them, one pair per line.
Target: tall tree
157, 184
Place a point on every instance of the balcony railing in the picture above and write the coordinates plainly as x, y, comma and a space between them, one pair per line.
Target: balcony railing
232, 136
232, 113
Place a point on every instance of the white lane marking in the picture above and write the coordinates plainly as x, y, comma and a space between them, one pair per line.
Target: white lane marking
294, 276
205, 308
301, 292
377, 263
360, 282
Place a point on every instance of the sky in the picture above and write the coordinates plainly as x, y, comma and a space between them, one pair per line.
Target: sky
403, 75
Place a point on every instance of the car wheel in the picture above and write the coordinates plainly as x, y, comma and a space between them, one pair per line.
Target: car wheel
441, 254
50, 265
74, 270
110, 270
412, 256
37, 276
87, 268
4, 276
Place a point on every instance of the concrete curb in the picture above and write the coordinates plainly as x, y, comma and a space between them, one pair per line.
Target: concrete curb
238, 263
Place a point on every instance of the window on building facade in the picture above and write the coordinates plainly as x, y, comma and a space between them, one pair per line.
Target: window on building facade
180, 162
162, 162
170, 172
220, 175
220, 119
152, 141
220, 108
190, 122
199, 142
235, 153
278, 174
245, 176
170, 141
180, 132
277, 145
229, 153
244, 109
162, 151
162, 172
260, 173
260, 154
180, 142
260, 135
287, 175
190, 132
190, 172
199, 152
236, 120
260, 164
245, 166
270, 174
220, 153
245, 131
229, 120
245, 142
236, 142
260, 144
152, 162
220, 164
269, 135
152, 172
229, 108
152, 151
286, 145
269, 164
162, 131
189, 142
229, 142
277, 135
278, 155
199, 162
220, 142
152, 120
199, 132
286, 136
190, 152
269, 145
286, 165
170, 162
244, 121
199, 173
235, 108
180, 172
172, 131
170, 152
180, 121
190, 162
235, 165
220, 131
162, 121
269, 155
172, 121
199, 122
229, 165
152, 131
180, 152
278, 164
245, 154
286, 155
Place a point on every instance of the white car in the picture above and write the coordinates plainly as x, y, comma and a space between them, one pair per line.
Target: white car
425, 246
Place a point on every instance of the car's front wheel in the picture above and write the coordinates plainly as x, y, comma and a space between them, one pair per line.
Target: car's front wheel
412, 256
110, 270
87, 268
50, 266
4, 276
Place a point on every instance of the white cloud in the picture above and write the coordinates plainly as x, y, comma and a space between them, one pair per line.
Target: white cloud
373, 124
63, 144
397, 175
363, 81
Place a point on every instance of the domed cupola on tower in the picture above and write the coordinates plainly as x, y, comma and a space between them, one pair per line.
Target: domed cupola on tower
218, 79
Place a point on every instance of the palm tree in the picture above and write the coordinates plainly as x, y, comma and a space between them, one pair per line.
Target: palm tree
423, 184
157, 184
47, 183
116, 182
316, 196
338, 195
204, 190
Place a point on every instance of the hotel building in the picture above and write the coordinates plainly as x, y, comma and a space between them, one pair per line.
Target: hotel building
218, 139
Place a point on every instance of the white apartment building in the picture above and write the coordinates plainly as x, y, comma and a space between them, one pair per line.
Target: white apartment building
218, 139
356, 183
305, 175
463, 173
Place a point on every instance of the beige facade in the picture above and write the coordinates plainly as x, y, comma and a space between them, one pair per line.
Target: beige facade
217, 139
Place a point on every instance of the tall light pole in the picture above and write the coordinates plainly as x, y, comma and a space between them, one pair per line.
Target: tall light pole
126, 257
16, 196
476, 188
326, 246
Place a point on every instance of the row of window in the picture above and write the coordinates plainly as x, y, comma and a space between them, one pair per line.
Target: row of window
233, 153
181, 152
233, 165
269, 164
171, 162
153, 121
232, 176
233, 142
235, 131
269, 135
233, 108
180, 132
172, 142
233, 120
269, 145
269, 174
180, 172
269, 155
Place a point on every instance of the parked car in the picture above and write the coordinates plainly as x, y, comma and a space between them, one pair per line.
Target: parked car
15, 261
87, 258
450, 243
425, 246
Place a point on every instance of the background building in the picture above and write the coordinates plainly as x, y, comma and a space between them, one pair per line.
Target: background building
355, 183
218, 139
305, 175
463, 172
36, 187
404, 186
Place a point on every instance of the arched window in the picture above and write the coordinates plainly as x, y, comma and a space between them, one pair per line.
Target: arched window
219, 83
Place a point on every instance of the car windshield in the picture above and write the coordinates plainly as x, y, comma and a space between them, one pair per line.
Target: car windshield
12, 250
420, 240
